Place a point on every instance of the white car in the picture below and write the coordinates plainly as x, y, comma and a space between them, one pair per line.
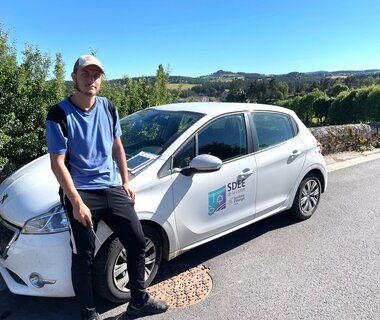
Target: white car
200, 171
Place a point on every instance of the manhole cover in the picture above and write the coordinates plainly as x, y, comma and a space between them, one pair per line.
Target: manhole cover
181, 286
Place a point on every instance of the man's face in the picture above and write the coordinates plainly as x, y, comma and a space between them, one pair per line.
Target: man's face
88, 80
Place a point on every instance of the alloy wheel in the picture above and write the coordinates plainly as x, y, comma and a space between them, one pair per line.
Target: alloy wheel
120, 270
309, 196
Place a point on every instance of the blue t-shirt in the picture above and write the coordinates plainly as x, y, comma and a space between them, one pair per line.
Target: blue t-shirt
87, 139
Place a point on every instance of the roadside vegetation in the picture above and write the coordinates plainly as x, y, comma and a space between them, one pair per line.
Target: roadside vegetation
30, 87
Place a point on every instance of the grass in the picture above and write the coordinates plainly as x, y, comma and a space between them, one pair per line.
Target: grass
181, 86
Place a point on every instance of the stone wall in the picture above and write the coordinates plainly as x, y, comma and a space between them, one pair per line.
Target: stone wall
352, 137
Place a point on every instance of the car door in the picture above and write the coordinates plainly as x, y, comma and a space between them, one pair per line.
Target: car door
280, 159
208, 203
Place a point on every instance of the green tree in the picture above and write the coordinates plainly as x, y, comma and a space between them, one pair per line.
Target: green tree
342, 107
161, 94
115, 92
373, 104
295, 104
370, 81
25, 95
142, 94
29, 107
354, 106
136, 94
321, 108
8, 88
236, 92
305, 108
255, 92
58, 85
336, 89
360, 109
283, 90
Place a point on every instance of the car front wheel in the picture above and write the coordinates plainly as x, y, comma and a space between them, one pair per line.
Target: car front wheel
307, 197
111, 279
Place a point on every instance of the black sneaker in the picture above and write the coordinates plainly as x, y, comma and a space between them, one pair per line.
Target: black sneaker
152, 306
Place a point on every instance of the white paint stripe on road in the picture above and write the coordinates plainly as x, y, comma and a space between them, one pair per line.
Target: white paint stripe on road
351, 162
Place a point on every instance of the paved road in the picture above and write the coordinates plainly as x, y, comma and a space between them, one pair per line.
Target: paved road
324, 268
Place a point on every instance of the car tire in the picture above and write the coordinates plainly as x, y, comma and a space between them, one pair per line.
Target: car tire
112, 258
307, 197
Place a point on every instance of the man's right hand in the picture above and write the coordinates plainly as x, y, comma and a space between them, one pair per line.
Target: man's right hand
82, 213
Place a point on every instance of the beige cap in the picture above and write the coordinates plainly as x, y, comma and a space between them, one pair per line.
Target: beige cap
87, 60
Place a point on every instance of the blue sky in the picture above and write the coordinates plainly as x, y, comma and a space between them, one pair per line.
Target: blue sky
199, 37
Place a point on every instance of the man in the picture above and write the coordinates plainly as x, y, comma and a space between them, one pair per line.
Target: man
83, 138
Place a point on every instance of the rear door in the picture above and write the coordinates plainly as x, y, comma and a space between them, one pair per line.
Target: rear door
280, 159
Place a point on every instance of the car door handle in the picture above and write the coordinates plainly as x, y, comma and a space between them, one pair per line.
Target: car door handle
246, 172
293, 156
295, 153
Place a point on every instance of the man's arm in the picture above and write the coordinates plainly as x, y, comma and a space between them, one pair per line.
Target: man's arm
80, 211
121, 162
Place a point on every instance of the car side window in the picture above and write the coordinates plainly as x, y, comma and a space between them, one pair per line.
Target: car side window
271, 128
224, 138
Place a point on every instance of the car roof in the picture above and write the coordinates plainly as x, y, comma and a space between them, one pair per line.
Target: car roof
220, 107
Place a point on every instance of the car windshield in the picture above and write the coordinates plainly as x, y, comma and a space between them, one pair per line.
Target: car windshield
152, 130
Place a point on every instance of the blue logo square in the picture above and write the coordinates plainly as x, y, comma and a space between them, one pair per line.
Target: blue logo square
217, 200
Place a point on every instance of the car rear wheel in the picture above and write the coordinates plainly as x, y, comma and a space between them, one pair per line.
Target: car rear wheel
307, 197
111, 279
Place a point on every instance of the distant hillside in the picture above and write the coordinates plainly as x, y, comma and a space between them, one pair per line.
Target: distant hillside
292, 76
307, 77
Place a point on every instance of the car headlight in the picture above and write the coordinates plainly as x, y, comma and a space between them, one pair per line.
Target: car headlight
55, 220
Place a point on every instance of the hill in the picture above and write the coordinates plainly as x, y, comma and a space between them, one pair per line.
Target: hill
221, 75
291, 77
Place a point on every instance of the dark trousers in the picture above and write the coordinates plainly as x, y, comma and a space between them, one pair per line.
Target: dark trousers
116, 209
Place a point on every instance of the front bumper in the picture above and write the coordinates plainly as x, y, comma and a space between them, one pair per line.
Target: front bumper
48, 255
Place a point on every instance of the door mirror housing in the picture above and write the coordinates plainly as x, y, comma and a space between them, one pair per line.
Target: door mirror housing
203, 163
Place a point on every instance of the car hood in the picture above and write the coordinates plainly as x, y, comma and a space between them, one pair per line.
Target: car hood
29, 192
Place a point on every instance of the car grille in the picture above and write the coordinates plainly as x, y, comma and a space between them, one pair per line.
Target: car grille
8, 234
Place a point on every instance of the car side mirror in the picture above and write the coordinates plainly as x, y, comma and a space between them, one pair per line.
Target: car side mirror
203, 163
